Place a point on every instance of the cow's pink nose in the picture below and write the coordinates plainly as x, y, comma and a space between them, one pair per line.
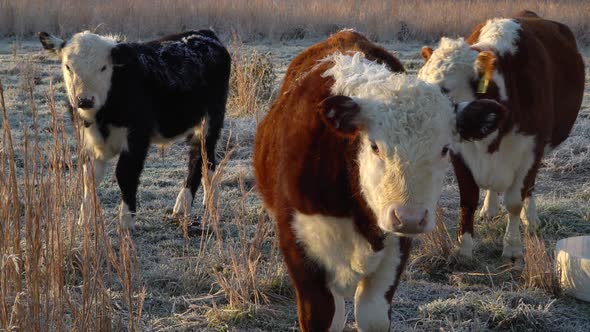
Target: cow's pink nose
409, 220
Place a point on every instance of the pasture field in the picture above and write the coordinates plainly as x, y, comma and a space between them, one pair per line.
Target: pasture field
220, 269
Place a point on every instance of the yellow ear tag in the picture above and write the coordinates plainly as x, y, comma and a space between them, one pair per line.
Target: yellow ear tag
482, 86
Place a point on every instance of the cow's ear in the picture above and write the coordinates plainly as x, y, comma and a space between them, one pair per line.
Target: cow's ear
342, 114
485, 64
52, 43
477, 119
426, 52
123, 54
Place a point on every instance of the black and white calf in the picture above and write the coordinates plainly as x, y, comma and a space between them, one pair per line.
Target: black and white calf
132, 94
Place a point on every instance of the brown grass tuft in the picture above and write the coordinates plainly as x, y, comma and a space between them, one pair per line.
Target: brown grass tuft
539, 266
434, 252
252, 80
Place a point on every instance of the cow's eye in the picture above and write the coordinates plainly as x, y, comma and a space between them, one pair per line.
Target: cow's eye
445, 151
374, 147
444, 90
103, 68
68, 68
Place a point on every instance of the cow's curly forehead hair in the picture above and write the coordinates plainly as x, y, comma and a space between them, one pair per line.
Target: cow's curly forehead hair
452, 55
86, 46
411, 106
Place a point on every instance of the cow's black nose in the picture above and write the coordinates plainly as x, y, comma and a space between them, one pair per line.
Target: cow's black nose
86, 103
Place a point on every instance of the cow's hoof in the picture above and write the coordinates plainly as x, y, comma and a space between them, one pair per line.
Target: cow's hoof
465, 248
183, 203
126, 218
127, 222
512, 252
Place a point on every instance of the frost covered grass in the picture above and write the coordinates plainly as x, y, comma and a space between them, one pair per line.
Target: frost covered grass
280, 19
220, 269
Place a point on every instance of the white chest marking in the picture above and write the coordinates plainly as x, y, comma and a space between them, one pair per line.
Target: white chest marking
335, 244
105, 149
499, 170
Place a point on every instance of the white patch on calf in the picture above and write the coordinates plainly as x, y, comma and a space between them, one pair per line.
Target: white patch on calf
183, 203
105, 149
86, 54
451, 67
339, 319
498, 171
503, 171
158, 138
125, 218
371, 308
410, 122
500, 35
335, 244
512, 242
466, 245
501, 84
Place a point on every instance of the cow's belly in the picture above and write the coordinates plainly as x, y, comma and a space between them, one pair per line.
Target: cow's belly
158, 138
498, 171
335, 245
105, 148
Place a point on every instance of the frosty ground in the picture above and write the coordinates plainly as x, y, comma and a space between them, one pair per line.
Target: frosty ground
187, 279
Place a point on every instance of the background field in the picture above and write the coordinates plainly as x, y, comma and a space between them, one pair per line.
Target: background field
220, 269
279, 19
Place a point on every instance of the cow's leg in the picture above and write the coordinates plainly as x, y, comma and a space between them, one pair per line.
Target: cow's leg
513, 199
90, 178
185, 197
339, 319
316, 306
212, 129
374, 293
528, 214
128, 170
469, 198
513, 248
491, 205
214, 124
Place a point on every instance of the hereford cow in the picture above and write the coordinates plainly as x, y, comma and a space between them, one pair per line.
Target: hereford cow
349, 160
532, 67
132, 94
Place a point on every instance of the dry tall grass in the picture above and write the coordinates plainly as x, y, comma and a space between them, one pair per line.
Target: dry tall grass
382, 20
252, 81
539, 266
57, 275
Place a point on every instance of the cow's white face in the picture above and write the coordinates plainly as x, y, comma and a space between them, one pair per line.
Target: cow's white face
451, 67
406, 128
404, 157
87, 69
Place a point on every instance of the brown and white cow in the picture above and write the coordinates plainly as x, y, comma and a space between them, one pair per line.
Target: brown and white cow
351, 158
532, 67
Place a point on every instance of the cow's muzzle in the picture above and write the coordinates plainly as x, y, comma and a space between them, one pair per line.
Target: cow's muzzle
85, 103
408, 220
